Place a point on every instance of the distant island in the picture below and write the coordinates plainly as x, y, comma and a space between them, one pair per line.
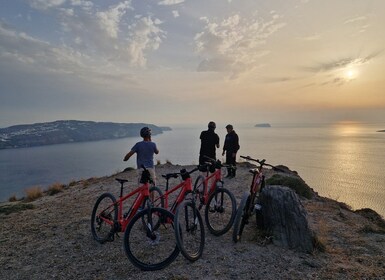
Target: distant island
381, 130
69, 131
262, 125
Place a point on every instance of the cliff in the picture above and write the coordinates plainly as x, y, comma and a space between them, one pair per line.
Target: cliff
68, 131
53, 240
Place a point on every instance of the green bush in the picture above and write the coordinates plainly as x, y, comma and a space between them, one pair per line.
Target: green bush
11, 208
295, 183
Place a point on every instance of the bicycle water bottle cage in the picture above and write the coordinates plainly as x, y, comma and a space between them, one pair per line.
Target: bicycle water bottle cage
146, 177
184, 174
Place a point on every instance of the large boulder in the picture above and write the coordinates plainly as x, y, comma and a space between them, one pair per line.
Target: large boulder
285, 218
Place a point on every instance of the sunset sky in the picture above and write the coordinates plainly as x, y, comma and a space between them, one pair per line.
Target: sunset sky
190, 61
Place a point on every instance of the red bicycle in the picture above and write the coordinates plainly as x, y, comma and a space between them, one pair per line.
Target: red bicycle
188, 222
149, 238
220, 202
249, 203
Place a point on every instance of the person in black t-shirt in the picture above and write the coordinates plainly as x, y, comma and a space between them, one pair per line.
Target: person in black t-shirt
209, 143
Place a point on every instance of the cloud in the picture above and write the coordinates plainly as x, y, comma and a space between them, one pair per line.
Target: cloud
234, 44
109, 20
357, 19
342, 63
145, 35
170, 2
45, 4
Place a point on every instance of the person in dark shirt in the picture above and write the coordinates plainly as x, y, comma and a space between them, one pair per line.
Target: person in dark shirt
209, 143
231, 148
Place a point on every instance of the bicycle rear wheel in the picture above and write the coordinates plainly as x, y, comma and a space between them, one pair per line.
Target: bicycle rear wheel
189, 230
103, 218
241, 217
148, 247
220, 211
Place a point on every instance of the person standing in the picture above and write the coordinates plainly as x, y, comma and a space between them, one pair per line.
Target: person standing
209, 143
145, 151
231, 147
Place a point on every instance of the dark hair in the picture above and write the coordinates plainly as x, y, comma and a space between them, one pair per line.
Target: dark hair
145, 132
229, 126
212, 125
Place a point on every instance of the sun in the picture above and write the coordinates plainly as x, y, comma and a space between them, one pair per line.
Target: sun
350, 74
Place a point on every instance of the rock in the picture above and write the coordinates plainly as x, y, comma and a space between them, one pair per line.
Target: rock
286, 219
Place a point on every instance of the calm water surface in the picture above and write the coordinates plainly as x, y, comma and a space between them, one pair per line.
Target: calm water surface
342, 161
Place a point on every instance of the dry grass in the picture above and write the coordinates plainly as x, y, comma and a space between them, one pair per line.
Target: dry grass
13, 198
33, 193
55, 188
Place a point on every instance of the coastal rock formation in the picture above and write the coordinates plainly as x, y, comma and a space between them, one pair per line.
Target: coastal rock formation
69, 131
263, 125
285, 218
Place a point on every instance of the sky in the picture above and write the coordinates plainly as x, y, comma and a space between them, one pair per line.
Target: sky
170, 62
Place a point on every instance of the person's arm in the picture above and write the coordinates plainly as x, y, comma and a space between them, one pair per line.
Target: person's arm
156, 151
128, 155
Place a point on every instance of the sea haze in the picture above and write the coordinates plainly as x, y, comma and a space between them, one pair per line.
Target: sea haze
342, 161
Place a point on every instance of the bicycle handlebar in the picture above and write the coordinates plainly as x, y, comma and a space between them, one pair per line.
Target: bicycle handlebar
261, 162
216, 162
175, 175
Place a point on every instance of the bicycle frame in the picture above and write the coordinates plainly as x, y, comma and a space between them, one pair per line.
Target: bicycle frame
185, 186
214, 177
142, 193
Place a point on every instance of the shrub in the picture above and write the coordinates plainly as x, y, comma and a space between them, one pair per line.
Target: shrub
72, 183
158, 162
17, 207
12, 198
295, 183
33, 193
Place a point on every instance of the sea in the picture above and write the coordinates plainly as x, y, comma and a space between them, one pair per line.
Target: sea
344, 161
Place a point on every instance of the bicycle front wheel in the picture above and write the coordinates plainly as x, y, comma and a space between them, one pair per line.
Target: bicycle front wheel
103, 218
241, 217
151, 247
189, 230
200, 190
220, 211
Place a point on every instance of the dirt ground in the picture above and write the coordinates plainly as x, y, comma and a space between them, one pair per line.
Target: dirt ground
54, 241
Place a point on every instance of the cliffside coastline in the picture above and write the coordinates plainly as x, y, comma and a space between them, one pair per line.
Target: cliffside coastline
69, 131
54, 241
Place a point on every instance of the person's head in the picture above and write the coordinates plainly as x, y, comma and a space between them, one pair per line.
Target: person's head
229, 128
212, 125
145, 132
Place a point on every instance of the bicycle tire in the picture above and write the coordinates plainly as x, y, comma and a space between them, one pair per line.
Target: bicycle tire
199, 190
239, 221
104, 206
157, 201
189, 230
220, 211
148, 248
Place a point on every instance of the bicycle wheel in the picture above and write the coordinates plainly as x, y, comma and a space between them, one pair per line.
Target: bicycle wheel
240, 217
103, 218
189, 230
220, 211
199, 190
149, 248
156, 197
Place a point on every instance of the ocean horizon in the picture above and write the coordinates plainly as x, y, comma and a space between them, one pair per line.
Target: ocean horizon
342, 161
